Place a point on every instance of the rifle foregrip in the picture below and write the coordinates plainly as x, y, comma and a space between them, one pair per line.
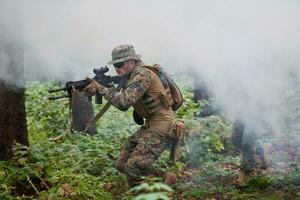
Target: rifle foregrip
56, 90
98, 98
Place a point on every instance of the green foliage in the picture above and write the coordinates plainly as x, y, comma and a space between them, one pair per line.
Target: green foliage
152, 196
189, 107
197, 193
207, 137
76, 167
177, 167
154, 191
83, 167
44, 117
53, 172
214, 178
260, 182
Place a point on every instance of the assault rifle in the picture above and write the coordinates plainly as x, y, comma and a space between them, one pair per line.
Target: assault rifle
100, 77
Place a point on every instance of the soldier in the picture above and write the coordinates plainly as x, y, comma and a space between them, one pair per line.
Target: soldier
146, 93
246, 141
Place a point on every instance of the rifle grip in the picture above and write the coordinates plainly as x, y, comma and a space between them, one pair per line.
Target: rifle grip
98, 98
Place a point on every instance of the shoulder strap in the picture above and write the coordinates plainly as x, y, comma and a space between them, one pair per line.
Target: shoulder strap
98, 116
161, 76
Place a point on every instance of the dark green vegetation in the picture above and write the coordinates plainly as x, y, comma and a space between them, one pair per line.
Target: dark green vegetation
78, 166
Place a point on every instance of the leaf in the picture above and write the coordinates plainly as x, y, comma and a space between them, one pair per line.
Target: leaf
143, 186
152, 196
160, 186
23, 161
2, 175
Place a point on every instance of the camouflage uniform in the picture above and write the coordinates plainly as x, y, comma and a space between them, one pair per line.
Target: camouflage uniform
139, 154
145, 146
246, 140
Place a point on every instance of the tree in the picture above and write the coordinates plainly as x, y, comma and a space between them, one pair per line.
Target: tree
82, 112
13, 126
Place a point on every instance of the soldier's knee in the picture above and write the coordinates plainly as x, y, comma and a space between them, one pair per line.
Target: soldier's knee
133, 168
133, 174
130, 168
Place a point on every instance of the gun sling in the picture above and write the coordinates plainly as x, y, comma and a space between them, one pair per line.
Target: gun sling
98, 116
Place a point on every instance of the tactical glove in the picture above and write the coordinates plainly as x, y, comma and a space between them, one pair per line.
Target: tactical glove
93, 87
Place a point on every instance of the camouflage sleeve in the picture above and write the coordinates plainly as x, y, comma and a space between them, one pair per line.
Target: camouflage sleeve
134, 89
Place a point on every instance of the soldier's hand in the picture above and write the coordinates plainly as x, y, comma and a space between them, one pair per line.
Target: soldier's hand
93, 87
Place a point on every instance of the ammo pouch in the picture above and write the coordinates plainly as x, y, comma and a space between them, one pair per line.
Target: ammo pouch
178, 138
166, 98
177, 131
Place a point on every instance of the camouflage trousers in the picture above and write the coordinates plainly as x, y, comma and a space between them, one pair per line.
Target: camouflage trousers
139, 153
246, 141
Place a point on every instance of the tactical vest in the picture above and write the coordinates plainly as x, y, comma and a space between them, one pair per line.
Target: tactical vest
168, 82
156, 99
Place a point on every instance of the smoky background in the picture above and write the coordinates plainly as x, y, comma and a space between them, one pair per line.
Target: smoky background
247, 52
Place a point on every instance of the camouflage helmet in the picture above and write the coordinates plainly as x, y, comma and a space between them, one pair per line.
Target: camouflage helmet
122, 53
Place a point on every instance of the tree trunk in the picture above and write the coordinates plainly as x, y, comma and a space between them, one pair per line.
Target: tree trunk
82, 112
13, 126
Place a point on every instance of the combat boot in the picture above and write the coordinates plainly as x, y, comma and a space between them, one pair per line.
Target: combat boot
169, 178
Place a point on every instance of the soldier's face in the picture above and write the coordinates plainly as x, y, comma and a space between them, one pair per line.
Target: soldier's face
123, 68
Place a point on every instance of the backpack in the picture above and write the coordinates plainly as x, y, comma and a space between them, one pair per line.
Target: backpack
168, 82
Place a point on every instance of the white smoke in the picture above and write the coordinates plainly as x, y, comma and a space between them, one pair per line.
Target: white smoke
11, 52
245, 50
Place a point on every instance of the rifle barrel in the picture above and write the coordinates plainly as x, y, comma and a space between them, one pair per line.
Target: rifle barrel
59, 97
56, 90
